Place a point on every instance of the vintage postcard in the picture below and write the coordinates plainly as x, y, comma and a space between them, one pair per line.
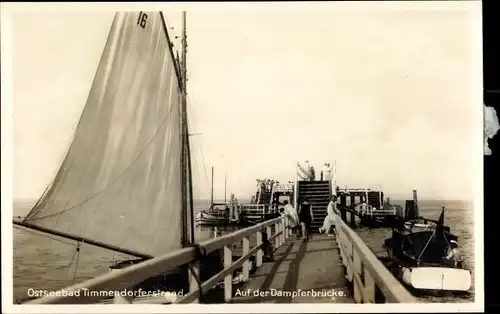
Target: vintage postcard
254, 157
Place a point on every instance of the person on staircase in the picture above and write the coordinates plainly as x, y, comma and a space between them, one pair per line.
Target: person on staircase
329, 221
327, 171
306, 217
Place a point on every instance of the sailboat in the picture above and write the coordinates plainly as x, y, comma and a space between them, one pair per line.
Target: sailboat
125, 182
425, 256
218, 213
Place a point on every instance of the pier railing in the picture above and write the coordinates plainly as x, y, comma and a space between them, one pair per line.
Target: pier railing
381, 212
372, 281
258, 208
126, 279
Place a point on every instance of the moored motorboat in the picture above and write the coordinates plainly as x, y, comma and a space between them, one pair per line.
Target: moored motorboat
425, 256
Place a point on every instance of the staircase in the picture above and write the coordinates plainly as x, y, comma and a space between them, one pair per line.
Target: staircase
318, 193
374, 199
265, 197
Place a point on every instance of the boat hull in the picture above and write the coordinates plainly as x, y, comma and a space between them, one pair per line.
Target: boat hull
435, 278
208, 219
378, 222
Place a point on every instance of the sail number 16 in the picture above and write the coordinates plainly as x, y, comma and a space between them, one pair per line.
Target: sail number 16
141, 20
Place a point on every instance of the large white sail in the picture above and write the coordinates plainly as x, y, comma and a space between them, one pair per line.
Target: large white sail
120, 183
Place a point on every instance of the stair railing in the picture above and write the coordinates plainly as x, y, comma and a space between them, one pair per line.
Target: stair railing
296, 186
380, 196
272, 193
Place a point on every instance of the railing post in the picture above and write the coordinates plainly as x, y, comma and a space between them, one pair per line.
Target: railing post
276, 230
285, 229
194, 272
356, 272
350, 257
246, 264
369, 288
340, 238
268, 232
228, 280
258, 257
280, 237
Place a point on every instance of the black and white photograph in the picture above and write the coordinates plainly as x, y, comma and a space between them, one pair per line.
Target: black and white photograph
254, 157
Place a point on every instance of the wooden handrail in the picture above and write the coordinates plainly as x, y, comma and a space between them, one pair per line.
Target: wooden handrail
366, 271
135, 274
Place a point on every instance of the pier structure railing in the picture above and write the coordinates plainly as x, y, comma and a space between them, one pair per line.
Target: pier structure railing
381, 212
257, 208
372, 281
286, 187
127, 278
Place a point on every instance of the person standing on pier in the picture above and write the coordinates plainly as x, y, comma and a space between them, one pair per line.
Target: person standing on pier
306, 216
330, 217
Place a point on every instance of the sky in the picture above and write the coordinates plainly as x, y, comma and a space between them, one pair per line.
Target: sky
391, 92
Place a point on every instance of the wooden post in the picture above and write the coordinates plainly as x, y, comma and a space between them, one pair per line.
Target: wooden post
369, 288
246, 264
268, 232
193, 274
356, 272
228, 280
353, 216
285, 230
349, 255
276, 231
343, 201
258, 257
282, 236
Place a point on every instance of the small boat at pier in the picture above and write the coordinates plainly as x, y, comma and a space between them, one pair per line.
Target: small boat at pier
217, 214
425, 256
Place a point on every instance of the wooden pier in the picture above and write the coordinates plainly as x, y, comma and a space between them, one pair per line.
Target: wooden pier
302, 272
340, 269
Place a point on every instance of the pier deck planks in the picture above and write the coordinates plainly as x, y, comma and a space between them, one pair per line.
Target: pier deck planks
313, 265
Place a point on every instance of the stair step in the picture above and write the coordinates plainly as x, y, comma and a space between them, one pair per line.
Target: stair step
315, 193
314, 182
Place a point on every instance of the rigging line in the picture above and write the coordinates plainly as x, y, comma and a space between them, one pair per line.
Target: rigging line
193, 106
77, 260
190, 102
44, 235
73, 258
172, 29
205, 168
163, 123
425, 247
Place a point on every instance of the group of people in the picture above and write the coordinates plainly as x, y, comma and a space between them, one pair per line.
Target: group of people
304, 216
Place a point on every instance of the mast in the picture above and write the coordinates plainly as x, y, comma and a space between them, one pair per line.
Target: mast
212, 193
188, 209
225, 185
